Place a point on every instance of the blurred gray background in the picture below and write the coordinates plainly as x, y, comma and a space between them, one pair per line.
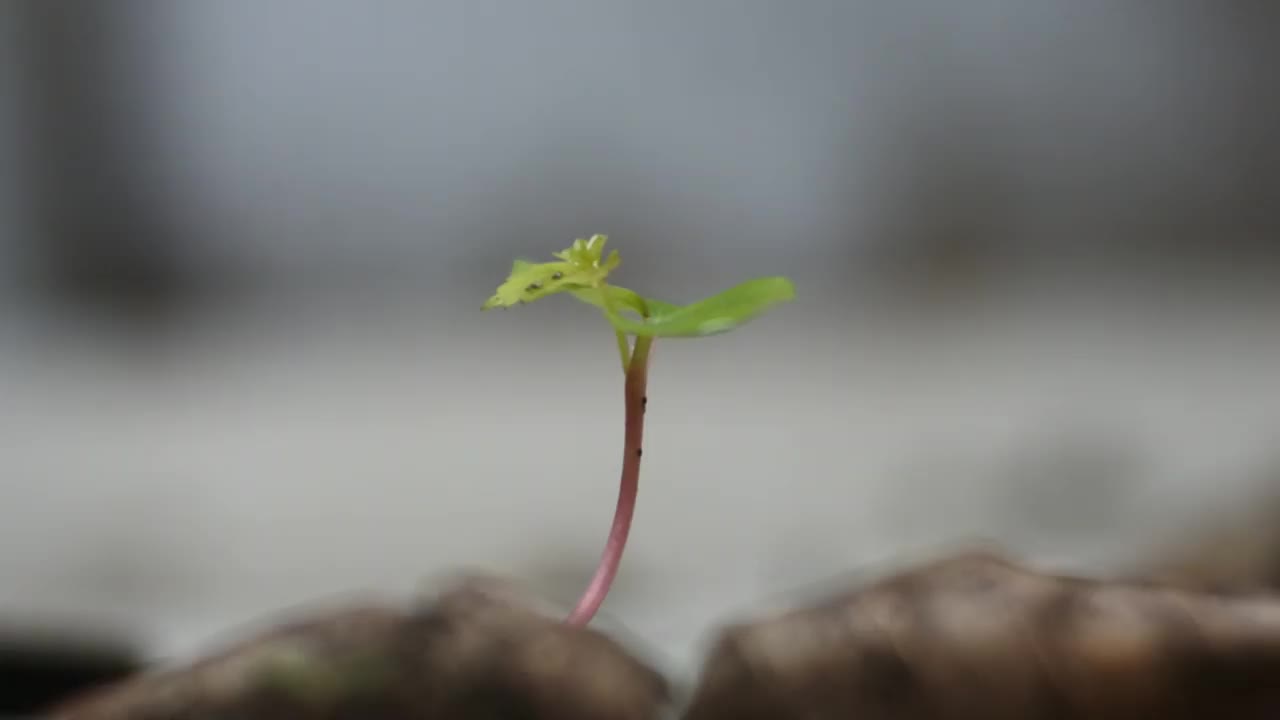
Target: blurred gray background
243, 248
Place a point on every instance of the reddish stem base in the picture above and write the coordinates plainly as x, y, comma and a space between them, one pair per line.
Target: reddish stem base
635, 401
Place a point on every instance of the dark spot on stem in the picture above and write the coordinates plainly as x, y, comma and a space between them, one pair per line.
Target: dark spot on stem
644, 401
639, 452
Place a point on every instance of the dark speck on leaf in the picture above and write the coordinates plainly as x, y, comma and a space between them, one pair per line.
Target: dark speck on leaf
533, 286
557, 275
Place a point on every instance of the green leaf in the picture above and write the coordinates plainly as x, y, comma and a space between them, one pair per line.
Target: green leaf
589, 253
622, 298
581, 271
528, 282
581, 266
711, 316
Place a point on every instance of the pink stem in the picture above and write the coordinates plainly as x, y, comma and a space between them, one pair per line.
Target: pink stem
635, 400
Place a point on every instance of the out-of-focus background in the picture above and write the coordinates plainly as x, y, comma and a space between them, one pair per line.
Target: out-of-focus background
243, 248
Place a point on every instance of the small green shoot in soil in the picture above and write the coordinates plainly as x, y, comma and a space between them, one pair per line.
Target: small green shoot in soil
582, 271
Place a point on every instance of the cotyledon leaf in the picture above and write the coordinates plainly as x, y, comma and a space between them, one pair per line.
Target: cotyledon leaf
583, 265
533, 281
711, 316
622, 298
529, 281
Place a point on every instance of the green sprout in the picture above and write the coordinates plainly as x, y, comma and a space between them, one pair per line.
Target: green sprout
581, 271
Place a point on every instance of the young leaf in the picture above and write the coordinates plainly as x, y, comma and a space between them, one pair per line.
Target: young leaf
711, 316
589, 253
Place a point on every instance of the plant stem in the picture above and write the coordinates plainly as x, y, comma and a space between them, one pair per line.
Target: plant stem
624, 350
637, 380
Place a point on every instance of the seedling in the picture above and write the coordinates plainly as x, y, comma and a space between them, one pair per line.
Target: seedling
581, 271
